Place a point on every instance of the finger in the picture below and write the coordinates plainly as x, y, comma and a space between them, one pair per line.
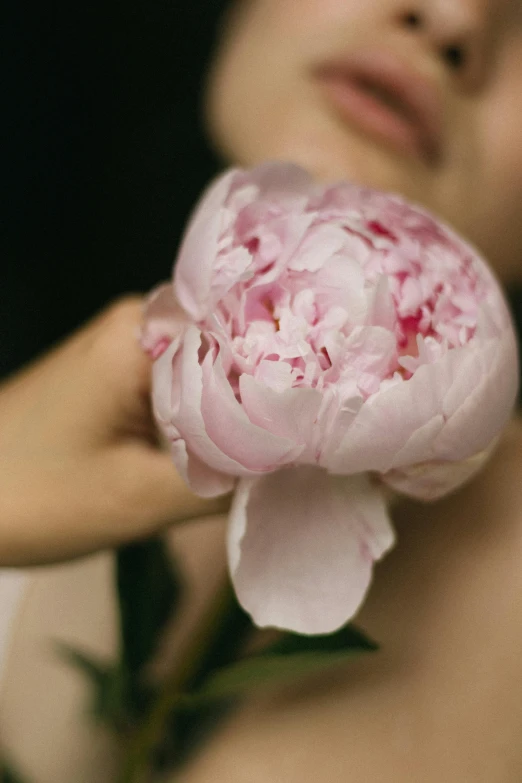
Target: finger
154, 492
98, 503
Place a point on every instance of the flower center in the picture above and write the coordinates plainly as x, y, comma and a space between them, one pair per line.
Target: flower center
354, 303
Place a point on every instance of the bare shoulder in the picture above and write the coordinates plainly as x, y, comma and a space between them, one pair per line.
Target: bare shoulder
442, 699
508, 454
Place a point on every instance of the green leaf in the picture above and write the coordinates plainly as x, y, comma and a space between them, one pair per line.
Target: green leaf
117, 701
347, 638
108, 685
227, 643
246, 675
93, 668
291, 657
148, 594
190, 724
189, 728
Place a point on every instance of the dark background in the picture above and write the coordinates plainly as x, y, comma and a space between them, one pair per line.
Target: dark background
102, 156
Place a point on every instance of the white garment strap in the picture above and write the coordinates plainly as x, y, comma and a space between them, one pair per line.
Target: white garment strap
12, 584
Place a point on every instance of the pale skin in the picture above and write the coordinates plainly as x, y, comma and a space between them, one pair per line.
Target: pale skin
442, 700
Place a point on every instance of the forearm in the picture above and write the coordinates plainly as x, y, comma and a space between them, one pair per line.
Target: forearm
55, 511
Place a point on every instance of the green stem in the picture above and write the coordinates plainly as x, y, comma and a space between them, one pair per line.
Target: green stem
136, 764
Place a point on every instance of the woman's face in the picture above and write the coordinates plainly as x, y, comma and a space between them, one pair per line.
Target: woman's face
421, 98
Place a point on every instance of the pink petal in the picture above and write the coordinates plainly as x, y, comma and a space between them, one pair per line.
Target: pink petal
166, 401
193, 270
449, 410
337, 414
381, 310
416, 447
273, 375
432, 480
291, 414
320, 244
202, 479
164, 319
387, 421
480, 400
284, 181
302, 544
166, 390
188, 417
370, 349
291, 230
230, 429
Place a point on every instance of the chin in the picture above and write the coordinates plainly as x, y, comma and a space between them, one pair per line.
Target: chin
363, 163
310, 138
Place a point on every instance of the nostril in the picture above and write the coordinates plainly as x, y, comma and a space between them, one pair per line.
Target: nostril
454, 56
446, 36
412, 19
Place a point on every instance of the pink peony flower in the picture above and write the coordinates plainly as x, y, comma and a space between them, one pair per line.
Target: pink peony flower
316, 343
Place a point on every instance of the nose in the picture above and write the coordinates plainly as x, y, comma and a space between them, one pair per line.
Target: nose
460, 32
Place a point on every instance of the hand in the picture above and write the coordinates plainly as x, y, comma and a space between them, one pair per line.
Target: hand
80, 468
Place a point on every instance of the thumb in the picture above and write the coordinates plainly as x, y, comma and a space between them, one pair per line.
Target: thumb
152, 493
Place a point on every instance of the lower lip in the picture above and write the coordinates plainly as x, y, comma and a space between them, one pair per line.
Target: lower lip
360, 109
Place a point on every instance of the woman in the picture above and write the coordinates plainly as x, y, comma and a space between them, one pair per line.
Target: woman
423, 99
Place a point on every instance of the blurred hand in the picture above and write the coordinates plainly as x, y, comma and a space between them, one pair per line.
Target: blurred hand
80, 467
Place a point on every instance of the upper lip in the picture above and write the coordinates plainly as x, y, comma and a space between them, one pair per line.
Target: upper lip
413, 96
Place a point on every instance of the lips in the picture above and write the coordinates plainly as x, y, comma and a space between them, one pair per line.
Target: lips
381, 96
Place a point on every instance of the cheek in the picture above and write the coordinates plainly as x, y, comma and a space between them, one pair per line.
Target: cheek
290, 16
275, 27
258, 82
